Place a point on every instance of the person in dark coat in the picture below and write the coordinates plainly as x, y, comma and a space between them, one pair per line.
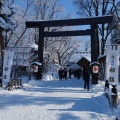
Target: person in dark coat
86, 78
114, 96
0, 78
78, 73
114, 90
60, 73
65, 73
75, 73
106, 84
70, 73
0, 82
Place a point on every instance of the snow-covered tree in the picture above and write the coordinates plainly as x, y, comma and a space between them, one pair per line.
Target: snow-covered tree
47, 10
59, 48
86, 46
67, 49
20, 36
115, 39
92, 8
6, 23
40, 10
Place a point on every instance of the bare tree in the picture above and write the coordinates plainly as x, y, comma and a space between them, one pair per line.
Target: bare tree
49, 10
115, 35
46, 10
17, 36
87, 46
5, 23
63, 48
92, 8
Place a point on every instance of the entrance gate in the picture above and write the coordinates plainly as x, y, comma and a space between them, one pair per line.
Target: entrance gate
92, 21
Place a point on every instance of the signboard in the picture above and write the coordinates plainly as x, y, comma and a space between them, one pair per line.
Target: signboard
112, 64
95, 69
8, 60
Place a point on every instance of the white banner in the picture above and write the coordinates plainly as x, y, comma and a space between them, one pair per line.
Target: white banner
8, 60
112, 64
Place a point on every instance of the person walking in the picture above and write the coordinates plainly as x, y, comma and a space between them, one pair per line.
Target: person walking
70, 73
0, 82
114, 96
0, 78
65, 74
78, 73
60, 73
86, 78
106, 84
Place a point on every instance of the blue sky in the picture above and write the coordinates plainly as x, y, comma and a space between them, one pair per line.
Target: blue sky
69, 7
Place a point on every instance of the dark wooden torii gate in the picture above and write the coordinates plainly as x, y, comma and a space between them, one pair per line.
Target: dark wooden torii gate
92, 21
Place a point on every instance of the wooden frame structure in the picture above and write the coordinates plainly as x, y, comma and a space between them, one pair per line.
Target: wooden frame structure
92, 21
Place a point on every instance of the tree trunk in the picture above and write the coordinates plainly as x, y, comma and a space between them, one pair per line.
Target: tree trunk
2, 45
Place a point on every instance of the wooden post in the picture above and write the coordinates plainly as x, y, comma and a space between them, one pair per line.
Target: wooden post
94, 50
2, 45
40, 51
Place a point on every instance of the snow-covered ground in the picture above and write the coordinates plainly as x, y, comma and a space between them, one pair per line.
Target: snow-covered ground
51, 99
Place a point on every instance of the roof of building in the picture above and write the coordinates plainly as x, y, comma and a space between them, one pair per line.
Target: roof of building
76, 57
74, 66
36, 63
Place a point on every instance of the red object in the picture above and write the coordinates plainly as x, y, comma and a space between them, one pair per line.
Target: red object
95, 69
35, 69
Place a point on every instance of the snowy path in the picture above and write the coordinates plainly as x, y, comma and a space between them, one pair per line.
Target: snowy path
54, 100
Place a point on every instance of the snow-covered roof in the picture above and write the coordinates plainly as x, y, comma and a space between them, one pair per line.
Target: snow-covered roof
35, 46
74, 66
102, 56
37, 63
76, 57
95, 63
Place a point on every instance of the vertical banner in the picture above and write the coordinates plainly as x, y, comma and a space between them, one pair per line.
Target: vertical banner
112, 64
8, 60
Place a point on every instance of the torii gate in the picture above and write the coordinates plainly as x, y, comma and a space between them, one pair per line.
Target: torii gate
92, 21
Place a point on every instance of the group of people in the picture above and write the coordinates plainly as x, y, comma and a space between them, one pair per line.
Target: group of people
78, 73
62, 74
